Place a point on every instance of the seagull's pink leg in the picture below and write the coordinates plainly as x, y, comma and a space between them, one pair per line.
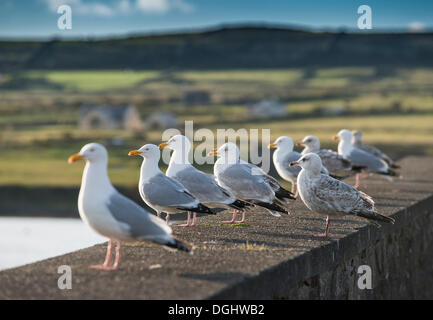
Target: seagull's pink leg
293, 188
194, 219
358, 181
325, 234
107, 261
117, 260
243, 217
235, 213
167, 218
188, 222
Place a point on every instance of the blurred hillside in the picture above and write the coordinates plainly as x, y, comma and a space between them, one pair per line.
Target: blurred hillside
249, 47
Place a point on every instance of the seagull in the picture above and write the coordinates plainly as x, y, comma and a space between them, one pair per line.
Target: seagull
201, 185
162, 193
357, 142
282, 158
331, 197
113, 215
331, 160
360, 157
247, 181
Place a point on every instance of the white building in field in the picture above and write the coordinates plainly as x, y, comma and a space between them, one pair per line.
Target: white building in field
110, 117
267, 108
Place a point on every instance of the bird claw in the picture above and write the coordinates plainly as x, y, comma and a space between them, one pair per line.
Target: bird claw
321, 235
103, 267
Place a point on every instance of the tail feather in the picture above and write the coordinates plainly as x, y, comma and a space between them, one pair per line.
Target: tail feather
283, 193
178, 245
201, 208
270, 206
239, 204
375, 216
390, 172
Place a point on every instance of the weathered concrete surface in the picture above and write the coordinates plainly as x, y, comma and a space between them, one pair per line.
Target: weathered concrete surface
283, 258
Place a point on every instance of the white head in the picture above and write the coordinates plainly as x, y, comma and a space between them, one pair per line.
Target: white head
228, 151
311, 142
148, 151
177, 143
310, 162
357, 136
282, 143
91, 152
344, 135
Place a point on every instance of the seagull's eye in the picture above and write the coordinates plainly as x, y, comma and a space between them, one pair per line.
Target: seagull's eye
91, 150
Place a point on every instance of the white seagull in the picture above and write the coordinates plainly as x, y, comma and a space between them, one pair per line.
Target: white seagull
331, 197
201, 185
248, 182
162, 193
357, 142
282, 158
360, 157
111, 214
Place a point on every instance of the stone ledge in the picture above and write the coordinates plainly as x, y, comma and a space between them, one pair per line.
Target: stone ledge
281, 260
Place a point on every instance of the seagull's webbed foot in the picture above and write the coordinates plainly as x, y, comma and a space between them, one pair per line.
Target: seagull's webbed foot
188, 222
106, 265
103, 267
243, 218
326, 233
235, 213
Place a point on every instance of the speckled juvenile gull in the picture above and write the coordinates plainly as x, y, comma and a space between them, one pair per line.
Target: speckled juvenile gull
331, 197
357, 142
331, 160
359, 157
247, 181
201, 185
162, 193
282, 158
111, 214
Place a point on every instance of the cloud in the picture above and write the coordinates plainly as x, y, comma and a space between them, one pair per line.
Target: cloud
163, 6
416, 26
98, 8
83, 8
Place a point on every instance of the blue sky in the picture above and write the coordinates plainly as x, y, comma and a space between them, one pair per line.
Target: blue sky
38, 18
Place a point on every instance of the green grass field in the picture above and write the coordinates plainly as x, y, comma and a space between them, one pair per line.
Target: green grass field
39, 131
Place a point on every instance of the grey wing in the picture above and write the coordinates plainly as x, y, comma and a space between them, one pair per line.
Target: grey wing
245, 185
362, 158
202, 186
376, 152
166, 192
142, 225
334, 196
258, 172
333, 161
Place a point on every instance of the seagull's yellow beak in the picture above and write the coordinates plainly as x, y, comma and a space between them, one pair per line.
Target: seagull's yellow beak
299, 143
213, 153
163, 145
134, 153
294, 163
335, 138
272, 146
75, 157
